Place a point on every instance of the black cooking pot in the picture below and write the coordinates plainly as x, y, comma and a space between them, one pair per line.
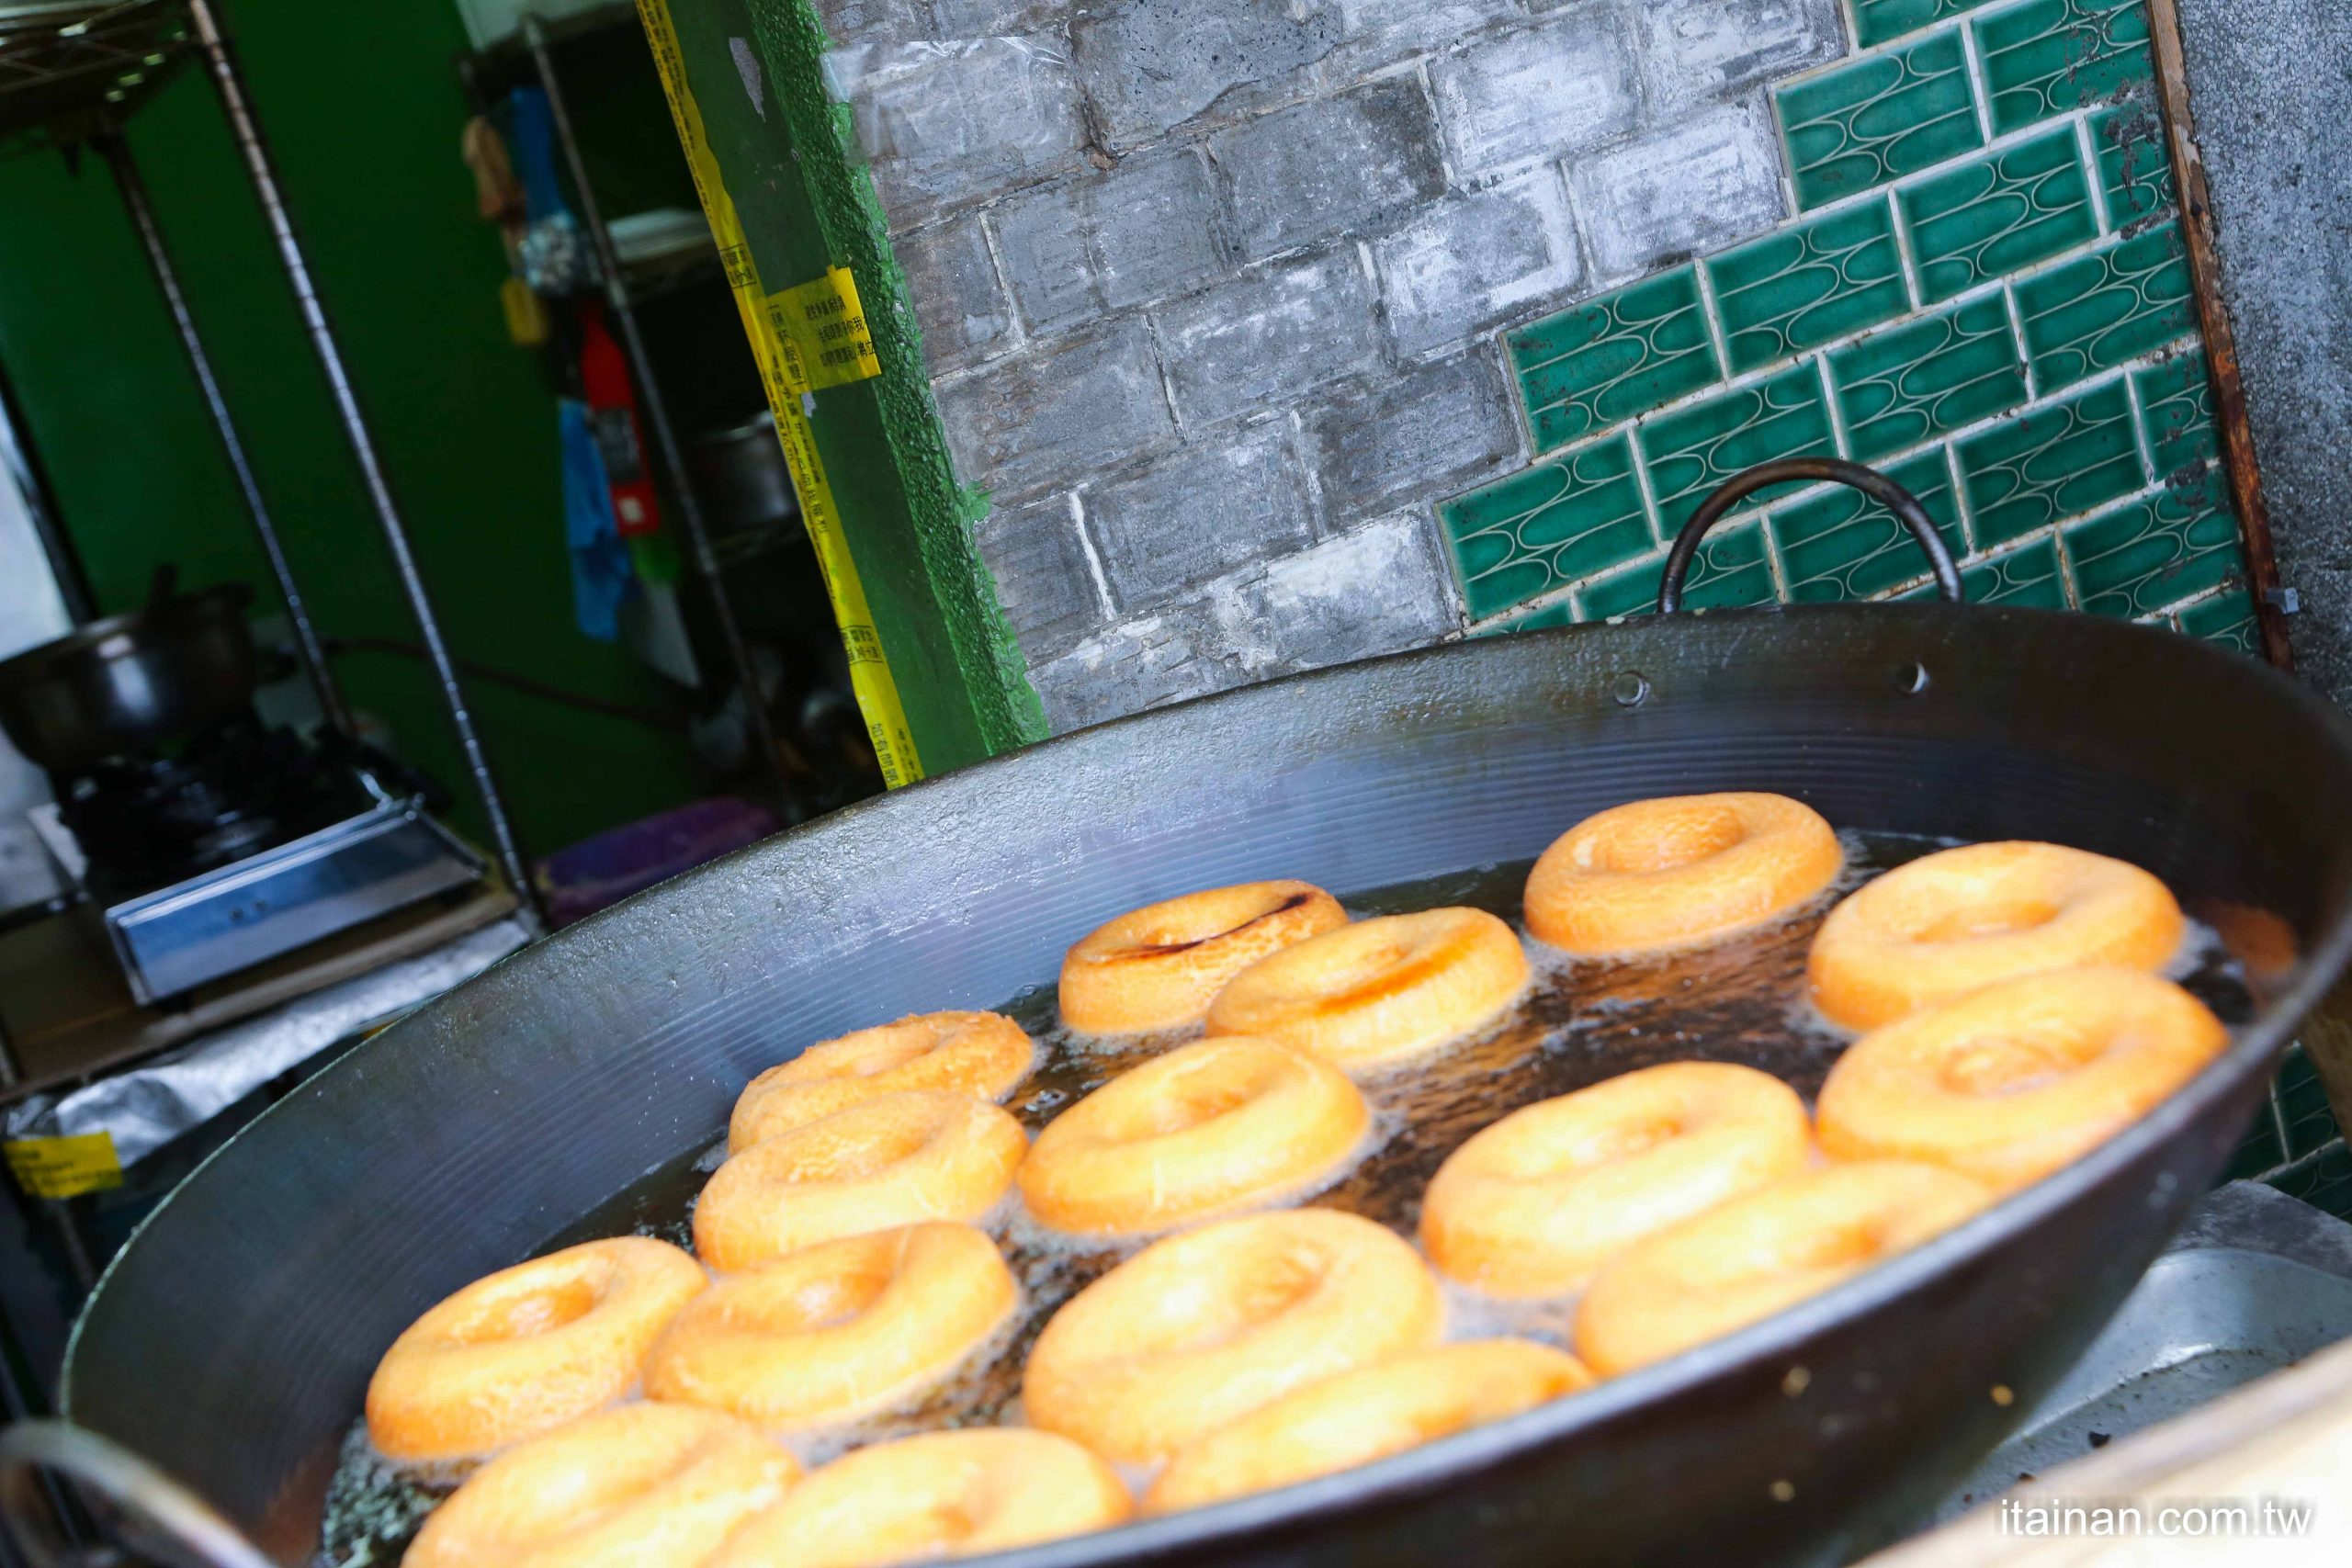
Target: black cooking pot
232, 1339
127, 684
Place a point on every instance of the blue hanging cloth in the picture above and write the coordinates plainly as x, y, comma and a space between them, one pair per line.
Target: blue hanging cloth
554, 253
602, 573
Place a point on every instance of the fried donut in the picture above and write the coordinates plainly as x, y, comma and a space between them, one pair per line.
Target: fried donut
1961, 920
984, 1054
1197, 1330
1366, 1414
2011, 1082
1756, 1255
1533, 1204
893, 1160
645, 1485
1208, 1128
942, 1494
1158, 967
1379, 990
1672, 873
846, 1328
527, 1349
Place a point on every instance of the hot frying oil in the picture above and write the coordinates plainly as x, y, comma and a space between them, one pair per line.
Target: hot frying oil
1579, 1022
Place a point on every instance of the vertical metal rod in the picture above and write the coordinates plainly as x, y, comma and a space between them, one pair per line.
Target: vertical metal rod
20, 465
69, 1236
117, 153
227, 80
657, 413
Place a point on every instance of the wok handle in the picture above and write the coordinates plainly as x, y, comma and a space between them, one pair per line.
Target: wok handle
160, 1518
1870, 481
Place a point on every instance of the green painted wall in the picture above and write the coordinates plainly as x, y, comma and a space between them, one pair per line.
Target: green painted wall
806, 205
364, 110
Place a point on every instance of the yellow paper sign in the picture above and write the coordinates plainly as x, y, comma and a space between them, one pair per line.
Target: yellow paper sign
63, 1168
826, 325
821, 340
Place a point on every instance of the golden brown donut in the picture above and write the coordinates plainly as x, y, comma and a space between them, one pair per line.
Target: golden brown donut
1758, 1255
942, 1494
2011, 1082
1533, 1204
1366, 1414
1204, 1130
1200, 1329
893, 1160
847, 1328
984, 1054
642, 1485
1157, 967
1375, 992
527, 1349
1672, 873
1961, 920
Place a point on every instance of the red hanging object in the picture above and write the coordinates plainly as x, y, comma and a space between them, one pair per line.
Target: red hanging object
612, 414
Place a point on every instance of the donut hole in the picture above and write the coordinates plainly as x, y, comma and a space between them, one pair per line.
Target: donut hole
1972, 919
836, 1299
1223, 1310
819, 1154
1218, 1084
535, 1306
1662, 840
889, 1050
1847, 1246
2015, 1064
1212, 921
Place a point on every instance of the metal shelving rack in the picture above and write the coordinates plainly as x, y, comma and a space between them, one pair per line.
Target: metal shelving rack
534, 43
72, 72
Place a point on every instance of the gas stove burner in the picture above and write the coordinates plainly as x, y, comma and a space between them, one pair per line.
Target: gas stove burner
232, 792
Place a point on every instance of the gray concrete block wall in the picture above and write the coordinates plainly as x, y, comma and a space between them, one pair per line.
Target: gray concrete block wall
1213, 290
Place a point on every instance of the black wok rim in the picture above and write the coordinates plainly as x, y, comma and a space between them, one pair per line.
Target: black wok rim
1428, 1467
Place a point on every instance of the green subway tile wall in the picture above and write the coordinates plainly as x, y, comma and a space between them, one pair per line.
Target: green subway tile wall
1809, 285
1995, 214
2046, 57
1982, 291
1884, 116
1585, 368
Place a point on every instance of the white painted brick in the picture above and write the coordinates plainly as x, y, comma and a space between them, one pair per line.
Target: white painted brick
959, 304
1143, 231
1551, 89
1382, 588
1198, 513
963, 123
1255, 343
1695, 52
867, 21
1693, 186
1386, 440
1041, 576
987, 19
1471, 262
1377, 32
1151, 65
1052, 415
1336, 166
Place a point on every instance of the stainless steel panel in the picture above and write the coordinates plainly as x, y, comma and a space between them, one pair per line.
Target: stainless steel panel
284, 898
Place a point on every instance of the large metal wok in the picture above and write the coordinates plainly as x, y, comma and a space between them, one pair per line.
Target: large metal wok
232, 1339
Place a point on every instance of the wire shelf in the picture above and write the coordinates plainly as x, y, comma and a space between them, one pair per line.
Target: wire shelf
67, 66
2294, 1144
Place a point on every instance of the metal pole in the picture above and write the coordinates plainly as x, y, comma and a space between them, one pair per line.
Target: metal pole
20, 466
117, 153
229, 81
657, 413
